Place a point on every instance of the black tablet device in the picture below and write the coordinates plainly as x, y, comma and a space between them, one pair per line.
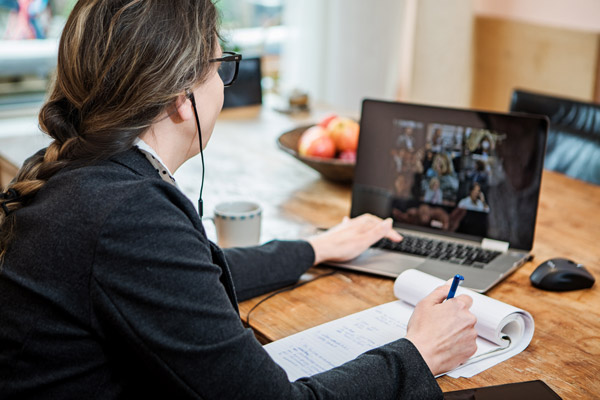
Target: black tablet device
247, 90
537, 390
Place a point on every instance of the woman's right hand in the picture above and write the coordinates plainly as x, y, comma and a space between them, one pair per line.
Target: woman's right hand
443, 331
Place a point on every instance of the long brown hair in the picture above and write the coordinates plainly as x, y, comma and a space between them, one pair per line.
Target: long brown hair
121, 64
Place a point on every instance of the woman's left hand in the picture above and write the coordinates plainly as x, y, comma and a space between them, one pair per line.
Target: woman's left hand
351, 237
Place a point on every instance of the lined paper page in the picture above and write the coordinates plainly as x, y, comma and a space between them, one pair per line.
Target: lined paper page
332, 344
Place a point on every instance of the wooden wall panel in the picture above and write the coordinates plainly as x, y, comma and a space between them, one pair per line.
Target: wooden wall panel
510, 54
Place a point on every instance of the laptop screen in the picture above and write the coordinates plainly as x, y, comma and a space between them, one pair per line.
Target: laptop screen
466, 173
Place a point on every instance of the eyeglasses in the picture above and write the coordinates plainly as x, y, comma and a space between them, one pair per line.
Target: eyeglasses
230, 64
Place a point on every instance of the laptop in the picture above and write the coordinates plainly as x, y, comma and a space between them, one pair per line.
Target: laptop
462, 187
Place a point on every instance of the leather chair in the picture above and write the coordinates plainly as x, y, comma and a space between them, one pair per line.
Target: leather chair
573, 145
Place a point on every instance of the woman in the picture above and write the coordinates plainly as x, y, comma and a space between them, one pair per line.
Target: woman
475, 201
109, 287
433, 193
443, 170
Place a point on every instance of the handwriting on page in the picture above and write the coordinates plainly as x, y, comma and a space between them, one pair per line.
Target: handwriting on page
334, 343
504, 331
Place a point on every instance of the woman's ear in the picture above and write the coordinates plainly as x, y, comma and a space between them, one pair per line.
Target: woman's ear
184, 108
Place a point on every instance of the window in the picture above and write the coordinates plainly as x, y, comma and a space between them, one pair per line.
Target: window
250, 13
253, 27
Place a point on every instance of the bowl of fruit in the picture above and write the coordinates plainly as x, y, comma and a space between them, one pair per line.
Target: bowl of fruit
328, 147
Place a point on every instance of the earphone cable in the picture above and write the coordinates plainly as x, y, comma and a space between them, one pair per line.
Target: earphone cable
200, 203
285, 289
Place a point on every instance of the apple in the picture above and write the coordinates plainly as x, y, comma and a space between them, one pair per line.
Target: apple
316, 142
325, 121
344, 133
348, 155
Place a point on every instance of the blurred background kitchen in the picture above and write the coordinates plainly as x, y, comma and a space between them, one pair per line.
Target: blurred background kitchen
461, 53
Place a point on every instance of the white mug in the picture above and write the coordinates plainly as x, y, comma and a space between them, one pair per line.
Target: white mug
237, 223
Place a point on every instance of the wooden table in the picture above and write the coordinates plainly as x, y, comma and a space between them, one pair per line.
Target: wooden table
243, 161
565, 350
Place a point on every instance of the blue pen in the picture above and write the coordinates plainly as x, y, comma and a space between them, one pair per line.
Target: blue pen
455, 282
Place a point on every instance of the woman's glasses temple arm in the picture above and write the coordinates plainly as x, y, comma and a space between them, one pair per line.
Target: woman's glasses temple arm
229, 57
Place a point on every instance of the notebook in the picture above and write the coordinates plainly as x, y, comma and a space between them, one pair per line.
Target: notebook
503, 331
462, 187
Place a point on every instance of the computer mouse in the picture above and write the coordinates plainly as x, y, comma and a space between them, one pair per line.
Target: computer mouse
561, 275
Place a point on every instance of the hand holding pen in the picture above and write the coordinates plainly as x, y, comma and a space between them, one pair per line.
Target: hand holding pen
443, 331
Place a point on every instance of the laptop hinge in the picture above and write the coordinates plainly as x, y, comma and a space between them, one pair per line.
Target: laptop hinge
496, 245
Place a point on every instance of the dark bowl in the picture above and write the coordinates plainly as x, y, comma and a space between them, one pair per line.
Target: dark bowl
333, 169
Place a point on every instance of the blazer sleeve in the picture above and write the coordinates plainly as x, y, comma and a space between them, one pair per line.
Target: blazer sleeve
160, 309
261, 269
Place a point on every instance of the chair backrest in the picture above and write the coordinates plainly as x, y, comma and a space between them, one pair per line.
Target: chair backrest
573, 146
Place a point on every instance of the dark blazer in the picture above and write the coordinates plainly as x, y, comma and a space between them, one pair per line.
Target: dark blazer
112, 290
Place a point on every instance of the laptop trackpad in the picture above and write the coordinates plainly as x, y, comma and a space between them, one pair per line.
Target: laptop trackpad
476, 279
382, 262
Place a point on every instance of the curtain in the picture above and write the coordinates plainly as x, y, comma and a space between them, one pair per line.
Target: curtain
341, 51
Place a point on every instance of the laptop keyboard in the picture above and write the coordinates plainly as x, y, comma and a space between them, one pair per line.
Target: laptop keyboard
440, 250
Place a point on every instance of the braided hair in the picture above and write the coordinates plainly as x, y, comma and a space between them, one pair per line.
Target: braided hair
121, 65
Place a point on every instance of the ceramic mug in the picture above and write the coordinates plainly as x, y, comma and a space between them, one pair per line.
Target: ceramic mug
237, 223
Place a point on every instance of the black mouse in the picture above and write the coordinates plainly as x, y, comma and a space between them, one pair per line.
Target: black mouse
561, 275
